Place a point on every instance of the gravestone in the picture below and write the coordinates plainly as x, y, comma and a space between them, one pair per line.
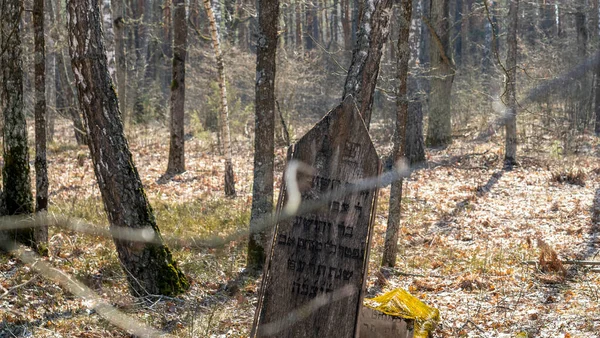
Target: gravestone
375, 324
315, 271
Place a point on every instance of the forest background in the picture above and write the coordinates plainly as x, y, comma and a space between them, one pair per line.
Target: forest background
473, 224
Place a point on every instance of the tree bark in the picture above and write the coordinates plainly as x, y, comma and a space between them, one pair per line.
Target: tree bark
18, 199
167, 48
177, 145
141, 28
346, 24
364, 69
51, 48
41, 171
224, 116
310, 33
65, 96
118, 18
442, 75
390, 249
109, 38
298, 7
264, 129
510, 154
149, 267
425, 33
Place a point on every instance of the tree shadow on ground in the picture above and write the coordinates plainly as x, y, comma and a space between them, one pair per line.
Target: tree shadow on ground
482, 190
25, 328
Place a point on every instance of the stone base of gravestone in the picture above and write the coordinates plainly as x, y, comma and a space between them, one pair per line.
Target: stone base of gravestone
375, 324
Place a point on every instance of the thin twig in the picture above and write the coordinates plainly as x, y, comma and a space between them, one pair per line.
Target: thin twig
18, 286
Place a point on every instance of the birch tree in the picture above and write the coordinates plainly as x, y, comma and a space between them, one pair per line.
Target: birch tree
224, 115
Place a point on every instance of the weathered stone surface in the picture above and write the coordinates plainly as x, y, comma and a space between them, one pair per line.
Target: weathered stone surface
317, 254
375, 324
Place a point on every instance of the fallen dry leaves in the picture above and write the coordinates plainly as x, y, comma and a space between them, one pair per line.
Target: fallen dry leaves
467, 227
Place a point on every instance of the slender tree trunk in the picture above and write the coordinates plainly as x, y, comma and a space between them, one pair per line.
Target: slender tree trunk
390, 249
442, 75
464, 33
298, 6
264, 129
109, 38
364, 68
65, 96
425, 33
118, 18
18, 199
41, 171
51, 48
149, 267
242, 31
595, 35
458, 15
346, 24
510, 154
167, 47
141, 37
311, 22
224, 116
335, 25
177, 145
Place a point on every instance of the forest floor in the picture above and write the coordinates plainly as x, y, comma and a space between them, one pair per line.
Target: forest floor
469, 230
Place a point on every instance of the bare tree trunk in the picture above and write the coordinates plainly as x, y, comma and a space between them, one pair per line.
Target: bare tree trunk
264, 129
298, 22
118, 18
224, 116
177, 145
346, 25
595, 34
364, 69
109, 38
425, 33
167, 48
510, 154
18, 199
149, 266
41, 171
311, 21
141, 34
464, 33
439, 132
65, 96
51, 48
390, 249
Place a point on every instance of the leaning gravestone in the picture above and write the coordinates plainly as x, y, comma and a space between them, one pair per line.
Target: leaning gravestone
315, 271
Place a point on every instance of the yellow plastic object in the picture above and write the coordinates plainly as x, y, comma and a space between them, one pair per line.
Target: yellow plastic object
399, 302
